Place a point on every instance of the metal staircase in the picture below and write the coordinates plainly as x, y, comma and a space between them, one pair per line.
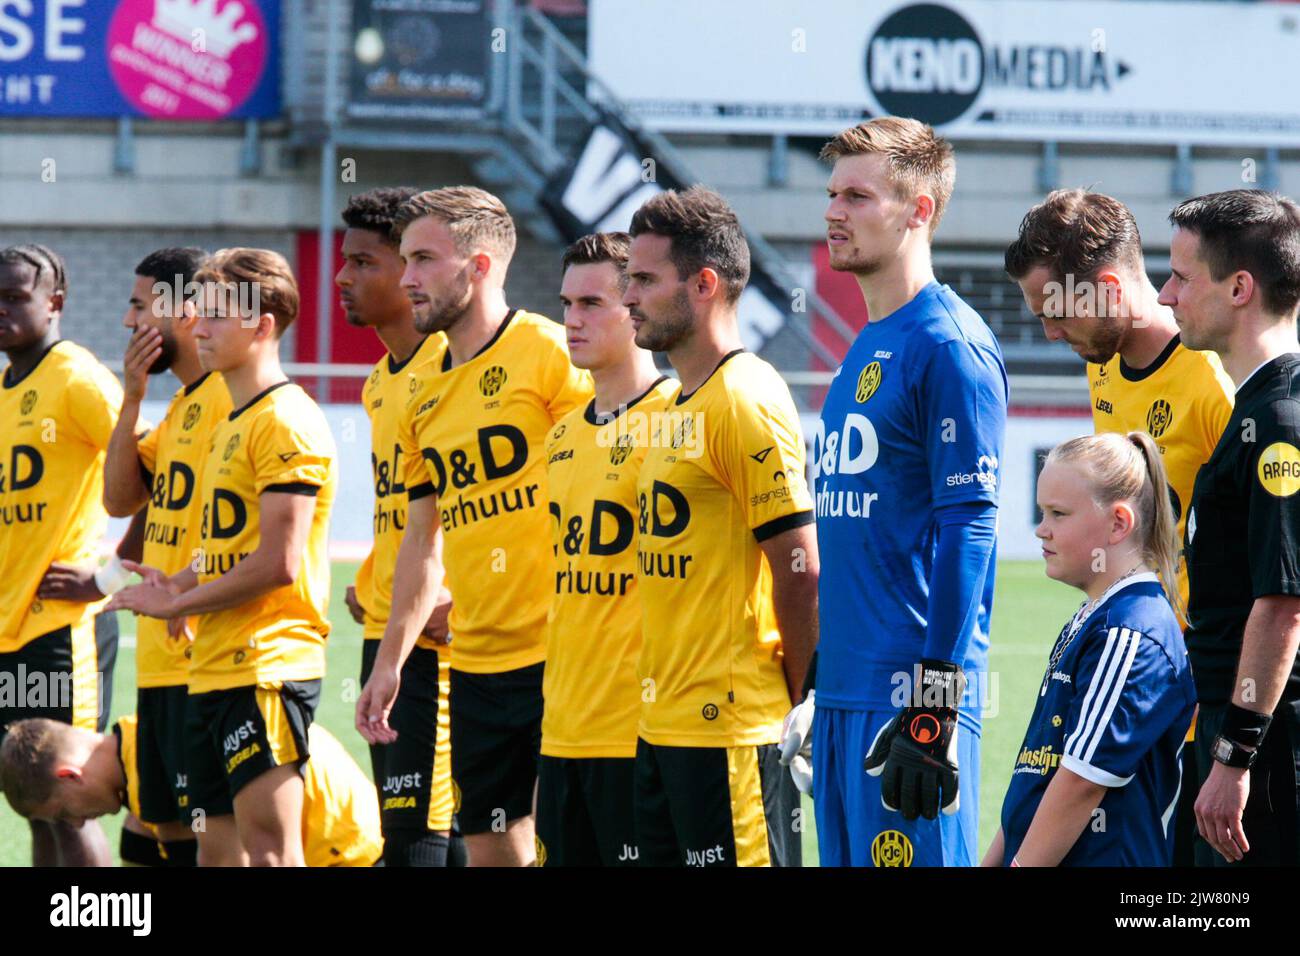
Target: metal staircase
538, 116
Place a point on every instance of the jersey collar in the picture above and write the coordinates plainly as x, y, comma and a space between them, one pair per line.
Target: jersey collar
1144, 577
15, 382
589, 413
195, 385
683, 397
926, 291
395, 366
1249, 379
501, 329
1131, 374
255, 399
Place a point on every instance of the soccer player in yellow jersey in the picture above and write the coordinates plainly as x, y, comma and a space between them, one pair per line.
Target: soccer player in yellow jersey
413, 773
593, 697
160, 471
50, 771
259, 585
1078, 260
727, 556
59, 405
472, 435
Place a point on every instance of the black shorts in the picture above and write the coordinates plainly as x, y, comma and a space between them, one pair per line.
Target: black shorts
55, 675
715, 806
584, 811
160, 753
234, 736
1273, 806
496, 734
413, 774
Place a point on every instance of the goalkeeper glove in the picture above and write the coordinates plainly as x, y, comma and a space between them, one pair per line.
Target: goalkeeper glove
915, 754
796, 743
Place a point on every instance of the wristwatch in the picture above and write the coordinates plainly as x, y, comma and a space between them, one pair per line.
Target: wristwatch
1232, 754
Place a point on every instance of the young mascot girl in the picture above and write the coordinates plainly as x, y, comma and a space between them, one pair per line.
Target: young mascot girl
1096, 781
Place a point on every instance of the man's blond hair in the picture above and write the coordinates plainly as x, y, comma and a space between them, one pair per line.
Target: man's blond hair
30, 750
477, 220
919, 161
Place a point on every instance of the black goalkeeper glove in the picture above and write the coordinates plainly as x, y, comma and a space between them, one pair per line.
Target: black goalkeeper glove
915, 754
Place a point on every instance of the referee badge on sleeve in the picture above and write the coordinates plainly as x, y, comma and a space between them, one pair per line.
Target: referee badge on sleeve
1279, 469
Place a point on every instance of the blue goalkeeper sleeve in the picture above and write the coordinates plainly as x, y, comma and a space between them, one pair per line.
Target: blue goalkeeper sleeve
967, 535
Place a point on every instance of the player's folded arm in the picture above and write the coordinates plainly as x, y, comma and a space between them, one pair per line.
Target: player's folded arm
1126, 697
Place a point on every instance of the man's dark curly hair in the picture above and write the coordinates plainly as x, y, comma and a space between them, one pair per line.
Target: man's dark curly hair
376, 210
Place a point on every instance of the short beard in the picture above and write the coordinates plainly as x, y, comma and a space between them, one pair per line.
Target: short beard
166, 356
439, 315
861, 266
1105, 342
669, 330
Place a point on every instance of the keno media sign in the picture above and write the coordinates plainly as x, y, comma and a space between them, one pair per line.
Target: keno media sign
1015, 69
167, 59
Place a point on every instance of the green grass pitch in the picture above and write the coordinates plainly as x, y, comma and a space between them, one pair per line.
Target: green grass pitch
1028, 612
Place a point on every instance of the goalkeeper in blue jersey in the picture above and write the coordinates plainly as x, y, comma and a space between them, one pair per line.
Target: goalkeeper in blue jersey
1097, 778
905, 466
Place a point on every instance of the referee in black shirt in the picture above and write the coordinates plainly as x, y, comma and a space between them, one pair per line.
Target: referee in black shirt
1235, 258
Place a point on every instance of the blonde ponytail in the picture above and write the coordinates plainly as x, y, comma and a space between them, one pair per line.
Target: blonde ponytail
1129, 468
1161, 545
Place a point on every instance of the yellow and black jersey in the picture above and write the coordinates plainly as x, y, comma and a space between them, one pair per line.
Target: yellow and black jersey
724, 472
340, 809
593, 697
385, 396
1183, 400
57, 420
278, 442
172, 457
474, 436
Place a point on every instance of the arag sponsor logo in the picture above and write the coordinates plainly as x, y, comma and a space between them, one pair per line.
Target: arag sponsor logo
926, 60
1279, 469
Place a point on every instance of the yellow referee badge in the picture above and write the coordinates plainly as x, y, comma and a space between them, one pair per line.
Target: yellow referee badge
868, 382
1279, 469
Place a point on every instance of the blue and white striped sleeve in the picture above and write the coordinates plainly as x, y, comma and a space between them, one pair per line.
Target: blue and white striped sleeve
1125, 697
